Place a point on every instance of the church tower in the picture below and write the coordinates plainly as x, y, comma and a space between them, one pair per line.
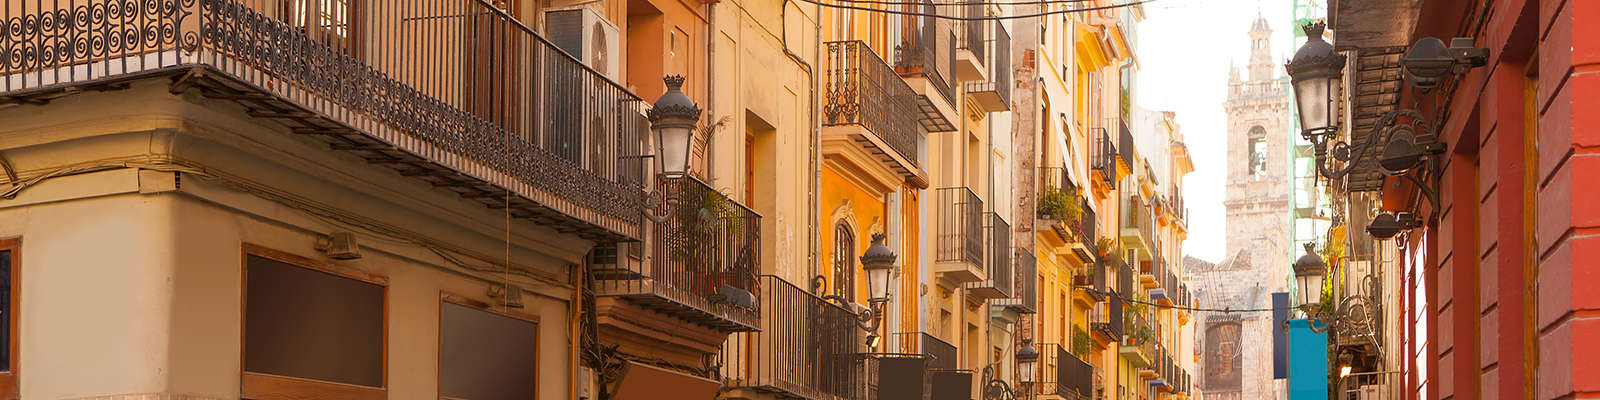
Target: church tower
1236, 349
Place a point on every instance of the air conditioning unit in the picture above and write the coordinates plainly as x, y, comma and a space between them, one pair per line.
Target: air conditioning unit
1370, 392
583, 33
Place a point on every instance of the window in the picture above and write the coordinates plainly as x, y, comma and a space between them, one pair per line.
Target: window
10, 266
1258, 152
844, 262
311, 330
484, 354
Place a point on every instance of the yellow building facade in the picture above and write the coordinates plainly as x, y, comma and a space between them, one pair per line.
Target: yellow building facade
461, 176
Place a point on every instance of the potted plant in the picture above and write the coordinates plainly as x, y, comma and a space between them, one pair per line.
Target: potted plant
1061, 205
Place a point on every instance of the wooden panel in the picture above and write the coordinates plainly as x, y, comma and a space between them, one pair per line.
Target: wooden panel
265, 386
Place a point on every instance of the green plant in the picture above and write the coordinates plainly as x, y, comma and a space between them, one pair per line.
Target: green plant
703, 215
1061, 205
1080, 342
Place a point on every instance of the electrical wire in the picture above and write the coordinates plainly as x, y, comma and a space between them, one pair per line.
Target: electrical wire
964, 3
1186, 308
989, 18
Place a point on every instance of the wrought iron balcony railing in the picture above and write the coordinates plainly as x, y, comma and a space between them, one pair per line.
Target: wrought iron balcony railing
925, 53
863, 90
458, 93
1050, 371
1026, 300
1106, 320
960, 226
941, 354
888, 376
1137, 222
1125, 147
974, 36
999, 272
704, 259
993, 94
1103, 156
796, 351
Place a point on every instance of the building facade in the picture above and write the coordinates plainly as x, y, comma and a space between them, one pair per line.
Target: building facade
1484, 297
464, 199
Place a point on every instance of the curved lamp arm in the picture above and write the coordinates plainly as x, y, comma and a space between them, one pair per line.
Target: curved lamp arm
866, 319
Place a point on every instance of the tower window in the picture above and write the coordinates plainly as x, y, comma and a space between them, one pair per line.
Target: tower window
1258, 152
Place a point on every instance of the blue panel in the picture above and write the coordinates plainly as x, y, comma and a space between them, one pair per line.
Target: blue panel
1280, 341
1308, 361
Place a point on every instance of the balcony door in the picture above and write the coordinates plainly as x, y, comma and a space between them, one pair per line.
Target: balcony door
493, 65
334, 23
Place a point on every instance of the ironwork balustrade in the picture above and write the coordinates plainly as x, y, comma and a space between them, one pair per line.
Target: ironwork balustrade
888, 376
1103, 156
1126, 148
1049, 371
960, 237
920, 53
1026, 300
1136, 216
863, 90
999, 270
455, 90
797, 350
705, 256
941, 354
996, 56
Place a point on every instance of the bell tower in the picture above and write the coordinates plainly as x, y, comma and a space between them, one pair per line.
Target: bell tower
1236, 349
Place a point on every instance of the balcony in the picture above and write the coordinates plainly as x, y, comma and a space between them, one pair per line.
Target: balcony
999, 273
389, 92
1026, 300
973, 42
925, 57
1127, 155
1105, 322
887, 376
940, 354
1062, 375
795, 353
947, 380
702, 265
866, 112
991, 92
1138, 347
1103, 164
958, 248
1092, 277
1138, 228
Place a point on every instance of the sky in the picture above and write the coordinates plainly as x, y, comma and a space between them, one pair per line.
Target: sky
1184, 49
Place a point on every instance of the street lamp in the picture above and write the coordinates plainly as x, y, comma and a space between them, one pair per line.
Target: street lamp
1405, 135
1316, 72
878, 261
1027, 361
672, 120
1309, 272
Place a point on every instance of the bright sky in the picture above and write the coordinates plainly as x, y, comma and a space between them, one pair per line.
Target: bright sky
1184, 49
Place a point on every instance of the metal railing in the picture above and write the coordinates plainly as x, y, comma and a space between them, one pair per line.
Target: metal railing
975, 38
960, 237
796, 351
456, 86
887, 375
1074, 377
863, 90
704, 254
1106, 318
1136, 216
1103, 156
997, 59
999, 271
1125, 147
921, 55
1049, 372
1026, 300
941, 354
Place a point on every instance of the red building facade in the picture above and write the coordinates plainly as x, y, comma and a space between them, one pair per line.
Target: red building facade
1503, 283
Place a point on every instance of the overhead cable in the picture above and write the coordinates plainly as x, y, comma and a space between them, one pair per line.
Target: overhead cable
988, 18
